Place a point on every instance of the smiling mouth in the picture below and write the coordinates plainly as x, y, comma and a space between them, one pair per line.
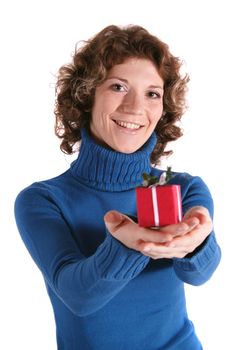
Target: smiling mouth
127, 125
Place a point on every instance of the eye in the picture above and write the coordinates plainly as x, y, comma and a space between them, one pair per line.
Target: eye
153, 94
118, 87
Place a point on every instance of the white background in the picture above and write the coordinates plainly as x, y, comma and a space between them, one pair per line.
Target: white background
37, 37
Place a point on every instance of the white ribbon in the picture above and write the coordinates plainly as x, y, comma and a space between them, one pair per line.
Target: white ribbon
179, 204
155, 206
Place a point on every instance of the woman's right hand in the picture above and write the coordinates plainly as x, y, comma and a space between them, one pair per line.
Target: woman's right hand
135, 237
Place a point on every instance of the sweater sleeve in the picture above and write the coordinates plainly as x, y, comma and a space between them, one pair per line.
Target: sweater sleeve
84, 284
198, 267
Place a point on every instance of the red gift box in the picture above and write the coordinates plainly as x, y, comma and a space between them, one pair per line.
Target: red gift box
159, 205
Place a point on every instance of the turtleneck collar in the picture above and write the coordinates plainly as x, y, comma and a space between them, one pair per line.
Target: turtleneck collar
108, 170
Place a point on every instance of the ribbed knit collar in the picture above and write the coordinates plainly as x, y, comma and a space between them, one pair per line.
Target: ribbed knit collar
108, 170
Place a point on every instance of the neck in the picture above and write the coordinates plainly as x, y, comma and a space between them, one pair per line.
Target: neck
108, 170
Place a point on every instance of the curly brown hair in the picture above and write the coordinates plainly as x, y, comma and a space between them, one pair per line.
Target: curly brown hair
77, 82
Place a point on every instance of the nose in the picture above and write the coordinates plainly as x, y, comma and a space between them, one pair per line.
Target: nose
132, 103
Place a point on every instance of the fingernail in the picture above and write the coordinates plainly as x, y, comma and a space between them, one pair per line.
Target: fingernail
172, 245
147, 249
182, 228
112, 216
193, 222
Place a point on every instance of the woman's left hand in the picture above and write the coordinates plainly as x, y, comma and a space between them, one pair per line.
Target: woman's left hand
182, 245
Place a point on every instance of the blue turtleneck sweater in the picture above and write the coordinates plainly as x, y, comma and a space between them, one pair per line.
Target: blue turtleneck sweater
104, 295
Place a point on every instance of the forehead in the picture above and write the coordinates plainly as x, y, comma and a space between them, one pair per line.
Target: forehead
136, 68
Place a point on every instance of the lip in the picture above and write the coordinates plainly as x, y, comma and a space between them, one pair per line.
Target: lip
127, 130
128, 121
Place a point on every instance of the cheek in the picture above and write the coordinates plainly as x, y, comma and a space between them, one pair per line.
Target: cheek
156, 115
103, 108
160, 109
96, 114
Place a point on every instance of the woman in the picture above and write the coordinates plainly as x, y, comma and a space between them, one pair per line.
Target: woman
113, 284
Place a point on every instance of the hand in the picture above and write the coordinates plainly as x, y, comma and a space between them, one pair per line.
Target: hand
167, 242
200, 226
130, 234
150, 242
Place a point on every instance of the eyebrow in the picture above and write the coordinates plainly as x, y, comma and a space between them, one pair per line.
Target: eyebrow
126, 81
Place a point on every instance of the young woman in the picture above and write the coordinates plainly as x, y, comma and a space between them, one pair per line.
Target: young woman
112, 284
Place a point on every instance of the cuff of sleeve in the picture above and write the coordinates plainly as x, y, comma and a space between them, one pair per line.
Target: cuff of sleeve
117, 262
202, 259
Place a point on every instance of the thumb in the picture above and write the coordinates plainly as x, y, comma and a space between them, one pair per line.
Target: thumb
198, 212
113, 220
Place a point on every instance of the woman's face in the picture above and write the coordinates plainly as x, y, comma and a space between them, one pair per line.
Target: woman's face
128, 105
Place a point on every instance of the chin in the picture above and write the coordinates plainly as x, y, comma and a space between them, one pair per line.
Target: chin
127, 150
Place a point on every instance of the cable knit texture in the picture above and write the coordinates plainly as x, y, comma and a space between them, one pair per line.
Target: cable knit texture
104, 295
108, 170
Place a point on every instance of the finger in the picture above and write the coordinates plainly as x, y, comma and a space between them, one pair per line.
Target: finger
158, 251
192, 239
199, 212
114, 220
181, 228
117, 224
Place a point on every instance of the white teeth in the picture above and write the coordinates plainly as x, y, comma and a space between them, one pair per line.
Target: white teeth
127, 125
